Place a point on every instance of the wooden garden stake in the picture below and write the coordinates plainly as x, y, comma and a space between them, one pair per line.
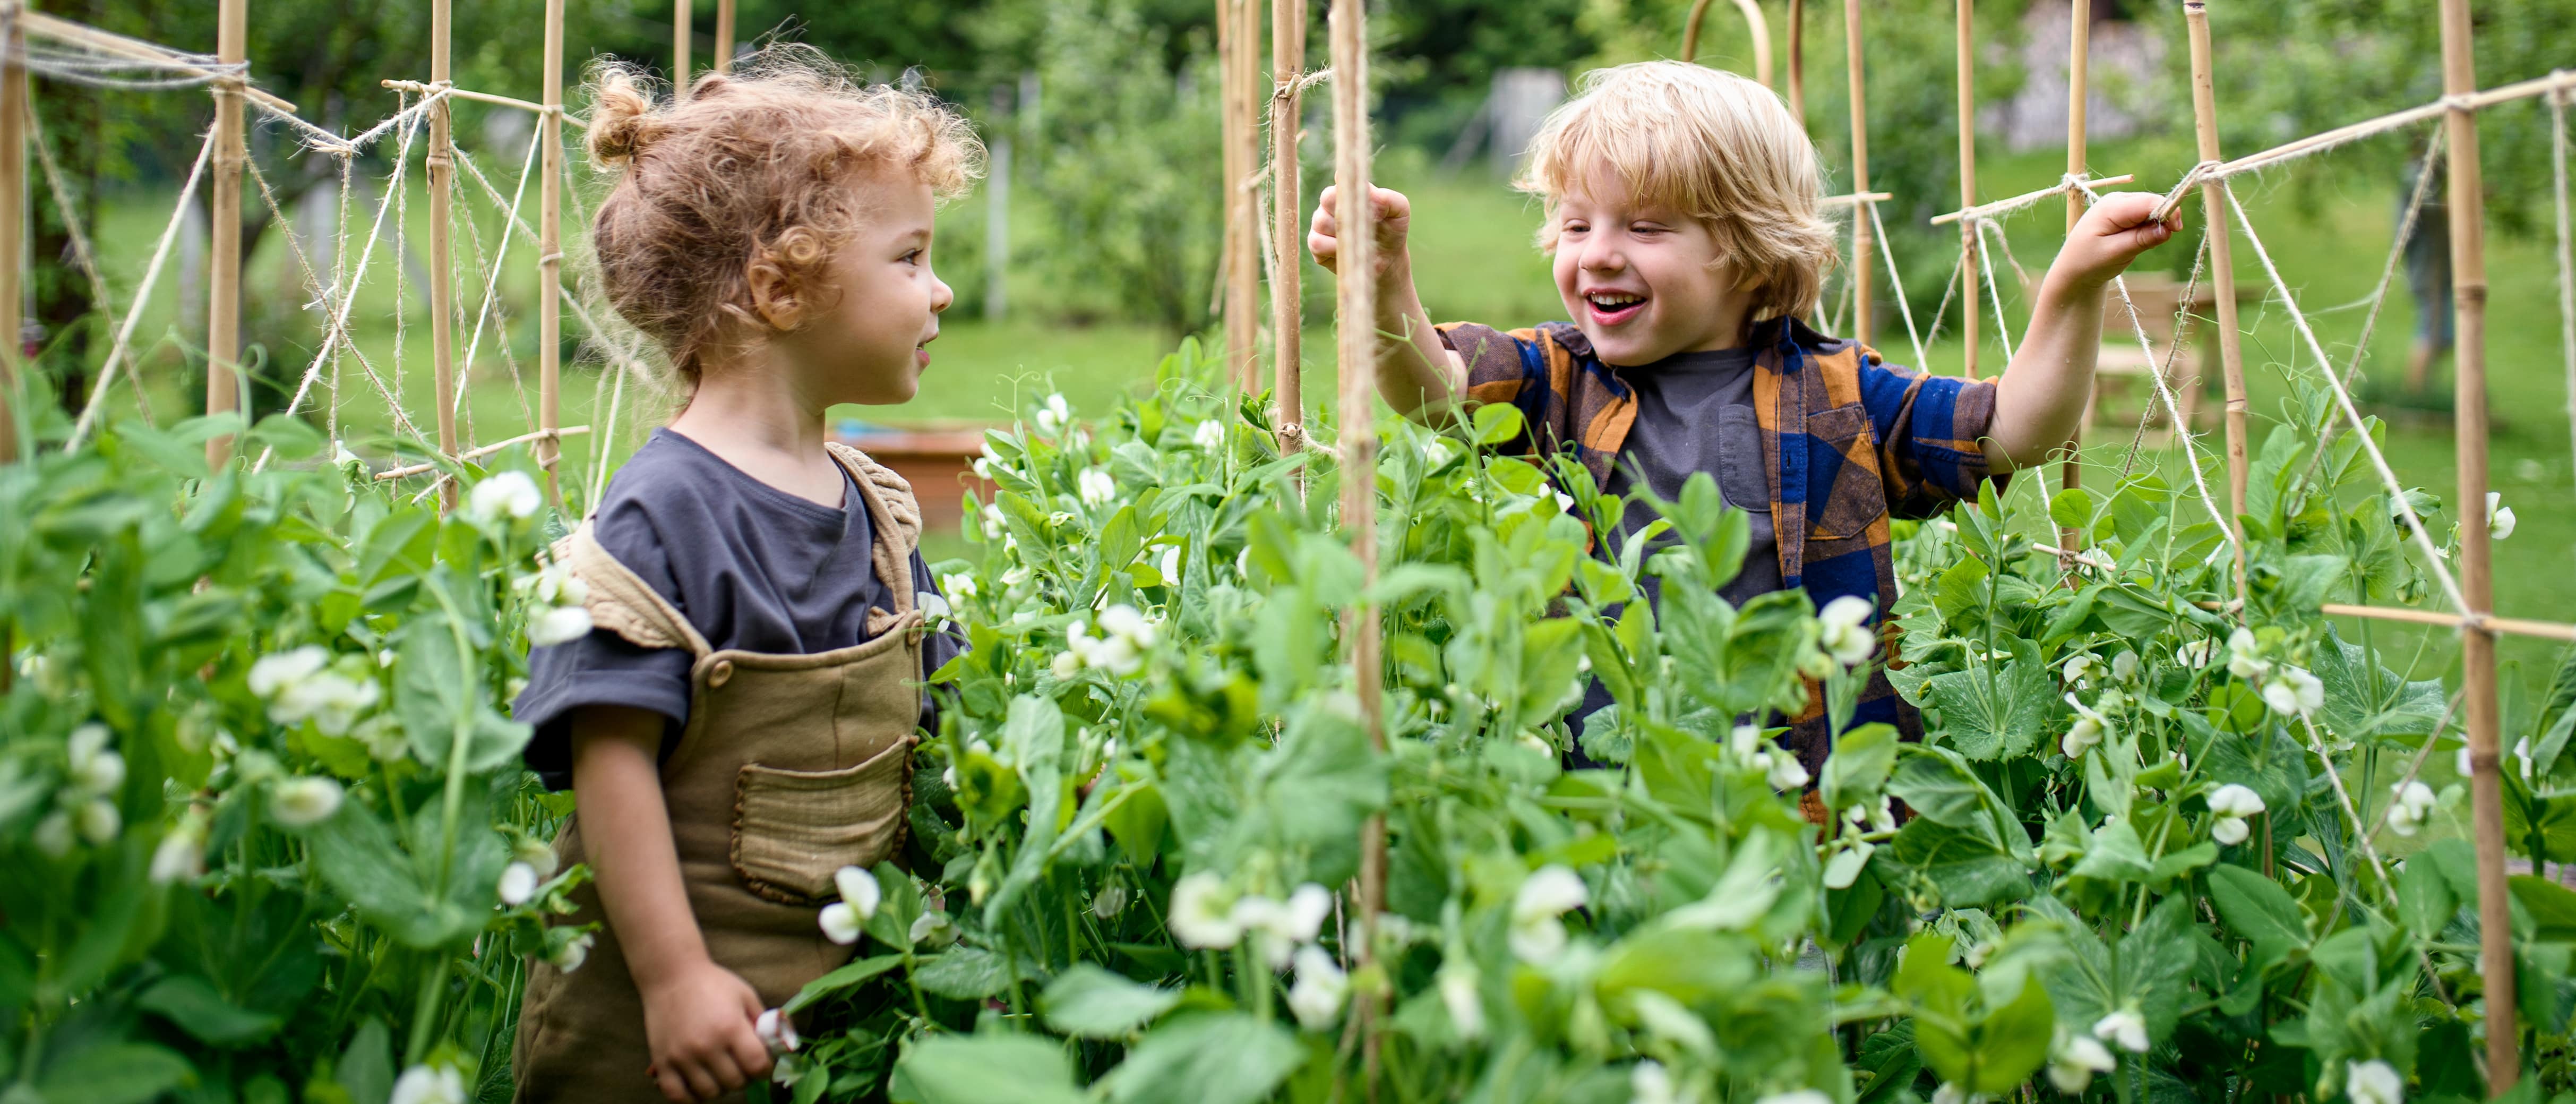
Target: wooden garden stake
13, 242
223, 278
679, 50
1243, 299
2222, 274
1758, 30
2477, 643
1355, 314
1798, 61
442, 172
1287, 276
724, 36
1860, 267
2079, 45
550, 256
1968, 181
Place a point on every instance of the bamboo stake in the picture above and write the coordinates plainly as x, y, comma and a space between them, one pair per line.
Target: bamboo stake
2078, 86
1287, 278
1968, 179
679, 50
550, 257
2477, 645
1243, 266
724, 36
2231, 355
223, 298
2544, 630
423, 88
1755, 27
1860, 174
13, 242
1356, 329
1798, 61
442, 292
1230, 170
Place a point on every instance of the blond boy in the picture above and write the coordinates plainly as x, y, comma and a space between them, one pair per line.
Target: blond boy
1681, 217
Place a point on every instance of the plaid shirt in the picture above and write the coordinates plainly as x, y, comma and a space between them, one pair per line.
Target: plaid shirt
1848, 441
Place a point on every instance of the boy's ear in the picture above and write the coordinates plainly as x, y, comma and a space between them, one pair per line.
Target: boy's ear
774, 294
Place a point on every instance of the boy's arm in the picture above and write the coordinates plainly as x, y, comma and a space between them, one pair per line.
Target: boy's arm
1418, 376
698, 1016
2042, 393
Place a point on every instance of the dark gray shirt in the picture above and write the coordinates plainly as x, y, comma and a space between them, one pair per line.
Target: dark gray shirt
1695, 414
751, 566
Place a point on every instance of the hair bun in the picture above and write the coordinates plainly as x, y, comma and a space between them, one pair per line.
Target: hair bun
624, 121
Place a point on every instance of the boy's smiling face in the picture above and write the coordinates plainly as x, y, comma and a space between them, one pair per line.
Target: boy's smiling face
1643, 281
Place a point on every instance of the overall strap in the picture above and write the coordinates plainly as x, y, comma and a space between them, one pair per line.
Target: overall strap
895, 518
623, 603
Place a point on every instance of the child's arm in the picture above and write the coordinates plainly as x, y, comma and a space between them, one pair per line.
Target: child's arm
698, 1016
2042, 393
1418, 376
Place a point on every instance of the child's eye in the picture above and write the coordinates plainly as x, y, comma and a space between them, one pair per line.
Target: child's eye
911, 257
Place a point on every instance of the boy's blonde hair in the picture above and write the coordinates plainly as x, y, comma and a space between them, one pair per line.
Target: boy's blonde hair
751, 171
1714, 145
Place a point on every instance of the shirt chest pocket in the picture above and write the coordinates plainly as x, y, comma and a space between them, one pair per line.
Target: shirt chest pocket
1845, 493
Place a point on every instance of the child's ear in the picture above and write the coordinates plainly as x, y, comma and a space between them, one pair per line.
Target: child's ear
774, 294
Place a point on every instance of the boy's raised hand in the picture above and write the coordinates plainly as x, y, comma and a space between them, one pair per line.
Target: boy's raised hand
1394, 216
2111, 235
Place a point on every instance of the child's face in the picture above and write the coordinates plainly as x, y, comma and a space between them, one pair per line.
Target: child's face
1642, 281
871, 336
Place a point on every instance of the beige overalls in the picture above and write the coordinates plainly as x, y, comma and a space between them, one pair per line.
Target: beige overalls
791, 767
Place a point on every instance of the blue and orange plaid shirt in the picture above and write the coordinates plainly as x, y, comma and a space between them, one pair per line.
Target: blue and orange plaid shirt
1848, 441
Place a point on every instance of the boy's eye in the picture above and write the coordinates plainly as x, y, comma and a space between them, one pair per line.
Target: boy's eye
911, 256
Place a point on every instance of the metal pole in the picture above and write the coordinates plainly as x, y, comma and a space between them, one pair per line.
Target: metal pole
223, 306
1968, 182
2477, 643
1287, 279
2222, 272
1860, 263
1355, 314
442, 292
550, 260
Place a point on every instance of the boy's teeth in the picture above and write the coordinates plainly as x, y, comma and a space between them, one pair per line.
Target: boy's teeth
1613, 302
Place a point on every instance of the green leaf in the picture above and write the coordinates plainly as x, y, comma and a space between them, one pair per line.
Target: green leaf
2424, 899
1988, 714
1218, 1058
1497, 423
963, 973
2365, 700
2258, 909
2013, 1041
849, 976
115, 1073
1859, 766
948, 1069
2552, 907
1968, 867
2117, 855
292, 437
1092, 1003
197, 1008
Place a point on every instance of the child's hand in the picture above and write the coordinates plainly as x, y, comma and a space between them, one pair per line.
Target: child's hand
699, 1025
1394, 215
2110, 236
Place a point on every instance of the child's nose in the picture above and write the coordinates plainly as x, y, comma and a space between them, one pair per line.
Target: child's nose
941, 295
1602, 256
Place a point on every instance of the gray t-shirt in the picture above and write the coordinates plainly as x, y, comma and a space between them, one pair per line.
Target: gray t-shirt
1695, 414
751, 566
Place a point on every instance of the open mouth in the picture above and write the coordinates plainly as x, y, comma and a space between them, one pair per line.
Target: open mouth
1610, 308
921, 352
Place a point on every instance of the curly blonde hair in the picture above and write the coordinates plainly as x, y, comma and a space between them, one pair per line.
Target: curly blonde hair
751, 172
1714, 145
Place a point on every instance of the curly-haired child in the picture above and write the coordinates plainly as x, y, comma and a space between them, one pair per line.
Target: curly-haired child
737, 728
1681, 216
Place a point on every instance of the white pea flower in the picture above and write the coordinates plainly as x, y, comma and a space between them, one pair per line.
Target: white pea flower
384, 738
2126, 1027
841, 923
2090, 726
859, 890
1797, 1096
1649, 1084
2499, 516
96, 769
556, 585
1054, 414
2124, 666
932, 605
2242, 661
1316, 999
1785, 772
2229, 831
1951, 1092
304, 801
182, 853
1096, 487
2410, 805
1549, 892
2374, 1082
1109, 901
429, 1085
2235, 800
98, 821
518, 883
959, 586
1460, 996
776, 1031
1202, 915
54, 834
1437, 453
992, 519
2077, 1059
559, 625
2196, 654
1745, 741
1210, 434
2080, 668
573, 953
1847, 636
278, 670
1169, 566
2295, 691
508, 494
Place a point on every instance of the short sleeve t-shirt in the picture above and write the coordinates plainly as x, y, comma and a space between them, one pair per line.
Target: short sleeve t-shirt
1695, 414
752, 567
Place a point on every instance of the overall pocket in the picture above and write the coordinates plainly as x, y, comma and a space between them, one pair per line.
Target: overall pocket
792, 830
